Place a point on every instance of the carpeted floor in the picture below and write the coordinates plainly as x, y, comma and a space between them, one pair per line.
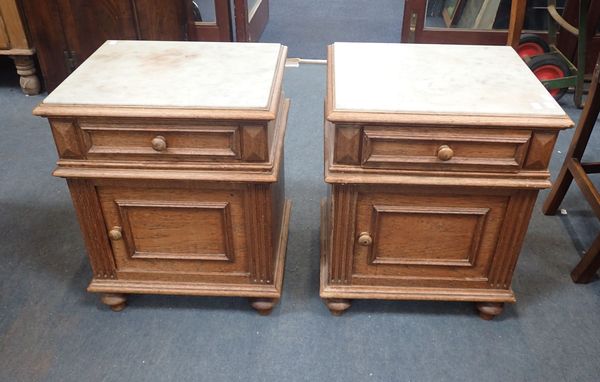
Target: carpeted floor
52, 330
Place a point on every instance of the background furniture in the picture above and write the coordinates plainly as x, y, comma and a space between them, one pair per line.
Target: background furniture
431, 195
177, 182
573, 168
14, 43
66, 32
421, 27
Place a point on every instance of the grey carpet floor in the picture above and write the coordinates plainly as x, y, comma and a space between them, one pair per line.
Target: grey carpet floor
308, 26
51, 329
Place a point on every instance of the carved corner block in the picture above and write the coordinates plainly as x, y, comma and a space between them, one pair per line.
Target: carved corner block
66, 137
347, 144
255, 143
540, 151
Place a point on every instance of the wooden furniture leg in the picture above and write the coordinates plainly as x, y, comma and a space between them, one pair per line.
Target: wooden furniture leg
337, 306
116, 301
26, 69
517, 17
573, 169
264, 306
489, 310
589, 264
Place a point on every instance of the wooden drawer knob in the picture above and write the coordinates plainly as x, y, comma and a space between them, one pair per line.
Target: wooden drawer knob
365, 239
445, 153
115, 233
159, 143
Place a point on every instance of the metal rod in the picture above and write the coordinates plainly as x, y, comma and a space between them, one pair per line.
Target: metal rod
562, 22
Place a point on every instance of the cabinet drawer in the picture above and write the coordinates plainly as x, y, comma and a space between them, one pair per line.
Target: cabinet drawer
161, 142
444, 149
178, 233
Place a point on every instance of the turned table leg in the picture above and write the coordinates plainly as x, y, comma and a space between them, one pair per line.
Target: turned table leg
264, 306
26, 69
489, 310
337, 306
116, 301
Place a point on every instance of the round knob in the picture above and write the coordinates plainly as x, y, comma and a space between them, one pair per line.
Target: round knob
115, 233
365, 239
445, 153
159, 143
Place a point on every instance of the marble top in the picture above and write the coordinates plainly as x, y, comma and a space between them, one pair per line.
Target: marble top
438, 79
173, 74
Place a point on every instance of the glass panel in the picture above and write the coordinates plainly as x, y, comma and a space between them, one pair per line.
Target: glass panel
485, 14
204, 11
252, 6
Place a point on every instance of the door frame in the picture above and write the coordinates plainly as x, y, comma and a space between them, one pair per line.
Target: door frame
250, 24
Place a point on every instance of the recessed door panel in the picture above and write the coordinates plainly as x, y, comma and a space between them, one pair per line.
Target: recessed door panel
178, 232
425, 235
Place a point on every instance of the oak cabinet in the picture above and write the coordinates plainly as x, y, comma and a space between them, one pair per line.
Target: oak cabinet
431, 186
178, 182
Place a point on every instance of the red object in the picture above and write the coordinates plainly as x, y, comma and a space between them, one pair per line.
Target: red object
549, 72
529, 49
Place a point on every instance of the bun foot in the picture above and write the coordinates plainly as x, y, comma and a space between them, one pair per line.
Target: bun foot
337, 306
264, 306
489, 310
116, 301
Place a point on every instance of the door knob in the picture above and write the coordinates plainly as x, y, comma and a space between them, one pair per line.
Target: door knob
115, 233
365, 239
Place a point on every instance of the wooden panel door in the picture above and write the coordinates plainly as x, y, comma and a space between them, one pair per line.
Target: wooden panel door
177, 234
251, 18
425, 238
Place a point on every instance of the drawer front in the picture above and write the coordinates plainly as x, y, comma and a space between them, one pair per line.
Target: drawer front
161, 142
426, 238
178, 232
444, 149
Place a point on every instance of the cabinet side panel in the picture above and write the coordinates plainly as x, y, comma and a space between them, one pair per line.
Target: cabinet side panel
511, 239
91, 222
278, 201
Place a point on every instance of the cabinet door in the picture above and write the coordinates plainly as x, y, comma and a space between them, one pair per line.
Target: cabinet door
427, 238
177, 234
251, 18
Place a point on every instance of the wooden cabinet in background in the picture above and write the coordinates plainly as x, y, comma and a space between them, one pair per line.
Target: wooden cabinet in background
66, 32
14, 43
432, 181
177, 182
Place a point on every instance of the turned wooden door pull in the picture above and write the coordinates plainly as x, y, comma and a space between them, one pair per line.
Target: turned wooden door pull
159, 143
365, 239
115, 233
445, 153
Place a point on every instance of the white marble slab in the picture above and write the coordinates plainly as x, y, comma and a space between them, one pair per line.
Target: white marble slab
445, 79
173, 74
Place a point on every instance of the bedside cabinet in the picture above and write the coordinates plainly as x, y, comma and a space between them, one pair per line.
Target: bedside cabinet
435, 155
173, 153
